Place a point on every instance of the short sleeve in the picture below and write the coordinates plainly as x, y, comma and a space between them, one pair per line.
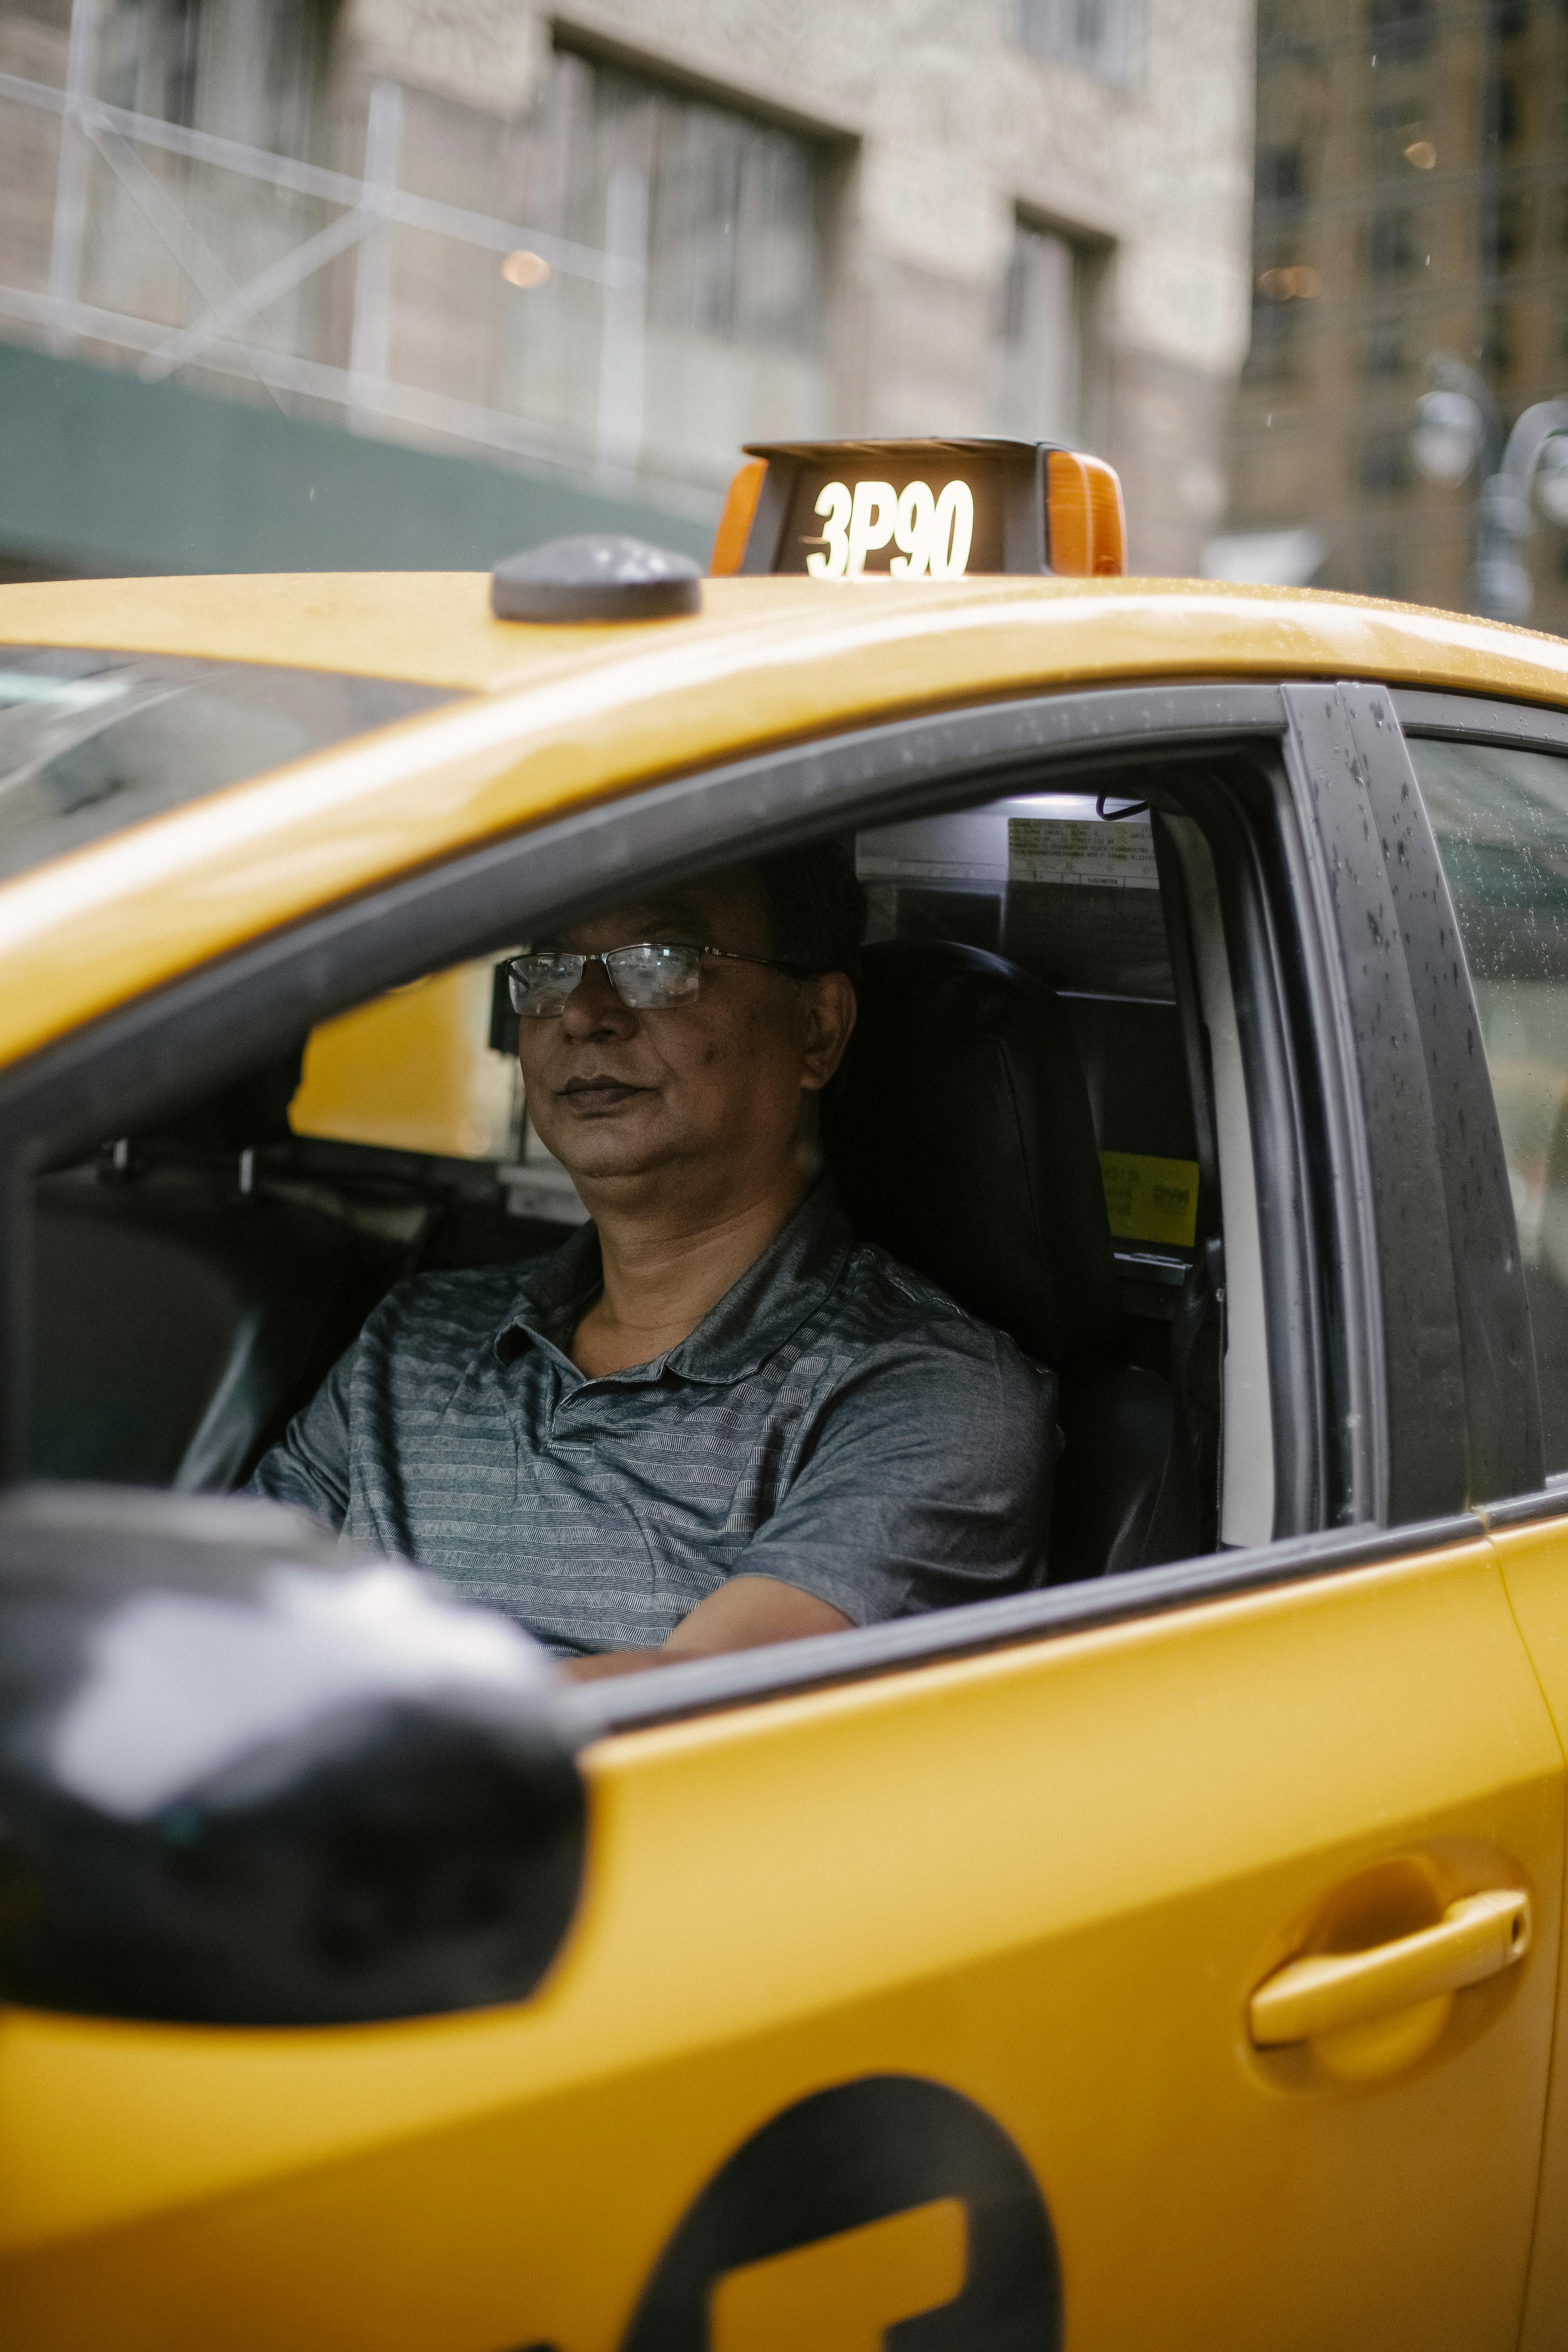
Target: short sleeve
309, 1466
927, 1480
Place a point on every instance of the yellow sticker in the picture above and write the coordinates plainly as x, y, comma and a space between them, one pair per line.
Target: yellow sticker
1151, 1200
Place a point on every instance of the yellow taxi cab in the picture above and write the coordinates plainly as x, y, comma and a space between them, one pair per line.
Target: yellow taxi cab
1168, 1954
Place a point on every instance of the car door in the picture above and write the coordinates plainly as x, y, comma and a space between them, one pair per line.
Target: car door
1494, 780
1170, 1959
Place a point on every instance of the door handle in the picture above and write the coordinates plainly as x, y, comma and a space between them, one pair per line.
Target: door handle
1475, 1938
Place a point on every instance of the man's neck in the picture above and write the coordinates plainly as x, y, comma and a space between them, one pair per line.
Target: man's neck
664, 1271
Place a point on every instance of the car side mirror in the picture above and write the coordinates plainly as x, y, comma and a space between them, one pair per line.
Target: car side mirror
250, 1777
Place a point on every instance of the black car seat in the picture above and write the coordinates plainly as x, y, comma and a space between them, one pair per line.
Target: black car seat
960, 1137
177, 1320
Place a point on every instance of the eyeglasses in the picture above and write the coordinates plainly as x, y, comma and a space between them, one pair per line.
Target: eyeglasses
647, 976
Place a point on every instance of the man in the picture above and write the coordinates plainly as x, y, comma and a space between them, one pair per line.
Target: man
710, 1419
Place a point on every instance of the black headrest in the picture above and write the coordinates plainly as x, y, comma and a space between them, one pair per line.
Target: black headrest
959, 1135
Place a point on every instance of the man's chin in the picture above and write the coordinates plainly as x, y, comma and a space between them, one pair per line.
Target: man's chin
605, 1157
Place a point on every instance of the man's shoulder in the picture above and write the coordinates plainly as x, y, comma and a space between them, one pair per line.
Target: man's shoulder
879, 1302
884, 1291
447, 1308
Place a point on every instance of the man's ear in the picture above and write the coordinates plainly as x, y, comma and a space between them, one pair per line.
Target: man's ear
827, 1021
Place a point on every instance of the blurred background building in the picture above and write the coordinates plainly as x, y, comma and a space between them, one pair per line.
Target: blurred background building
1411, 229
284, 283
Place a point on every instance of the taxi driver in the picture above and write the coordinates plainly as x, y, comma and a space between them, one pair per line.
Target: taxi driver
712, 1418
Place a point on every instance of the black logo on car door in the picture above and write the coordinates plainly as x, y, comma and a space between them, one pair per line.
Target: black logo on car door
886, 2215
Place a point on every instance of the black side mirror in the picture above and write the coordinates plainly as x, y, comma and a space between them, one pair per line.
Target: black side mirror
249, 1777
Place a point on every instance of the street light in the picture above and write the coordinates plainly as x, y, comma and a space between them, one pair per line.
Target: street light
1459, 425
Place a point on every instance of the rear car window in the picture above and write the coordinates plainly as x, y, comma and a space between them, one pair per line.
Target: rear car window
1500, 815
92, 742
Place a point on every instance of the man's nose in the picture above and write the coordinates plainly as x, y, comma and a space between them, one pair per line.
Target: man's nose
594, 1009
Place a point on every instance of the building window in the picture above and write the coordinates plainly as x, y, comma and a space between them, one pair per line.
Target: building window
1280, 176
1035, 390
1504, 228
246, 69
1272, 356
1498, 344
166, 235
1383, 466
1390, 242
713, 329
1501, 114
1402, 30
1382, 354
1103, 36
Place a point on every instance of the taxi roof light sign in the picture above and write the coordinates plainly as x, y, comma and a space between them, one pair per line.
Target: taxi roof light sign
921, 510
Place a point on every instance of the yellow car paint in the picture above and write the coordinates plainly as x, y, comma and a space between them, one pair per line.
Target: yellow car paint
436, 627
565, 717
1534, 1562
412, 1071
510, 2178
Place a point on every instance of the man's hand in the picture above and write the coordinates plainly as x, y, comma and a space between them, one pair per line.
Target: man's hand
744, 1615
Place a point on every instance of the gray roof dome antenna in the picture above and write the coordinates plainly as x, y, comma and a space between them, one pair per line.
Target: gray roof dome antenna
595, 577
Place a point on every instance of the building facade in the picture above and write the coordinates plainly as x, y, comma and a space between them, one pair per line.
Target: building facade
588, 253
1412, 205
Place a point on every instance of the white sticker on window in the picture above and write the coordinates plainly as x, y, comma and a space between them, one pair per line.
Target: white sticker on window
1113, 855
969, 847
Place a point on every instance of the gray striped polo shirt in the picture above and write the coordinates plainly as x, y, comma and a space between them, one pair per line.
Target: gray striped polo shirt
836, 1422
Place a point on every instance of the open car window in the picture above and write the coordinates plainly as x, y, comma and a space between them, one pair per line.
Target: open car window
394, 1141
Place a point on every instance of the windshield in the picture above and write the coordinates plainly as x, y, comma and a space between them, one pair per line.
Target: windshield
92, 742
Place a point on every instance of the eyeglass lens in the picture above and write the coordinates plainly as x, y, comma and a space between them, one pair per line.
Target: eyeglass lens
645, 976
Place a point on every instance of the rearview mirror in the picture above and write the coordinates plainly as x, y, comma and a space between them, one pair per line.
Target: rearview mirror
250, 1777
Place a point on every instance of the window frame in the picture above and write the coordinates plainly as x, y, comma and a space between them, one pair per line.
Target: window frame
1458, 1411
185, 1035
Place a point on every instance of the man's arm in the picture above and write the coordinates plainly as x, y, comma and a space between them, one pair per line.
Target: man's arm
309, 1466
743, 1614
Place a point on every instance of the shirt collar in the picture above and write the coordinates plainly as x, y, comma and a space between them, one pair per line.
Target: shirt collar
756, 1314
553, 1293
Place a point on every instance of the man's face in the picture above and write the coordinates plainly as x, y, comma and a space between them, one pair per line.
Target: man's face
715, 1086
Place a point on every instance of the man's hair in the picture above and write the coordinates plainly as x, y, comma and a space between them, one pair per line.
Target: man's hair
816, 905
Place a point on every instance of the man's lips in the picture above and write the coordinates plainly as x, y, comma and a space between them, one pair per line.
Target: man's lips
599, 1093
